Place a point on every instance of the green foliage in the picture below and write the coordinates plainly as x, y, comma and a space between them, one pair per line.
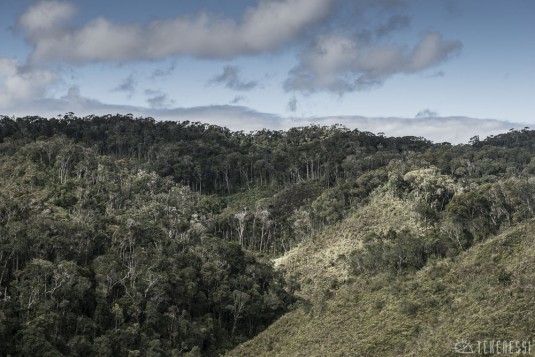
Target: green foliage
328, 207
394, 252
473, 297
103, 257
129, 236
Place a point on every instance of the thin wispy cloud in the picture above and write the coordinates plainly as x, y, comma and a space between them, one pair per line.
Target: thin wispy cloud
163, 71
426, 113
238, 99
292, 105
157, 99
452, 8
128, 85
438, 74
232, 79
395, 23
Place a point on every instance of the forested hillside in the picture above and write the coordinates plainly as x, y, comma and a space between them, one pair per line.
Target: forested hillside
130, 236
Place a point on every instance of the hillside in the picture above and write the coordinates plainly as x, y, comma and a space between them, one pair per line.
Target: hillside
130, 236
324, 261
480, 292
486, 293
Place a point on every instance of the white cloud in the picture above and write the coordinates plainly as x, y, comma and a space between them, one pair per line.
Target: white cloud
342, 64
231, 116
438, 129
454, 129
265, 27
431, 50
45, 16
19, 83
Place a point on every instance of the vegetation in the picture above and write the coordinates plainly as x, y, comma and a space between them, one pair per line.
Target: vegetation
485, 293
129, 236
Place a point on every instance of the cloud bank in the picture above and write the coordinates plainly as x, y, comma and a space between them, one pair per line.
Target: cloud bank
19, 83
341, 64
264, 27
339, 50
346, 49
455, 129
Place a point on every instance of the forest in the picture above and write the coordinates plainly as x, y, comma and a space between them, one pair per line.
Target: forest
125, 236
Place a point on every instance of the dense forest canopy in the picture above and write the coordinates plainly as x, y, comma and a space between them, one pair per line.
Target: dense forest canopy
131, 236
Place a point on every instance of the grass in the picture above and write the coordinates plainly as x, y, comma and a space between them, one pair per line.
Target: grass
485, 293
322, 262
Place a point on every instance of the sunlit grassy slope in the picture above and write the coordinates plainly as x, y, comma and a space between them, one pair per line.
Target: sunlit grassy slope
322, 263
485, 293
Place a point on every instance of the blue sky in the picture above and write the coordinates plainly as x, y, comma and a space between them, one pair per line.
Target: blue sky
443, 69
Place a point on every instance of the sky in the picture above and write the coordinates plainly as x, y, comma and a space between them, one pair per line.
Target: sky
442, 69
